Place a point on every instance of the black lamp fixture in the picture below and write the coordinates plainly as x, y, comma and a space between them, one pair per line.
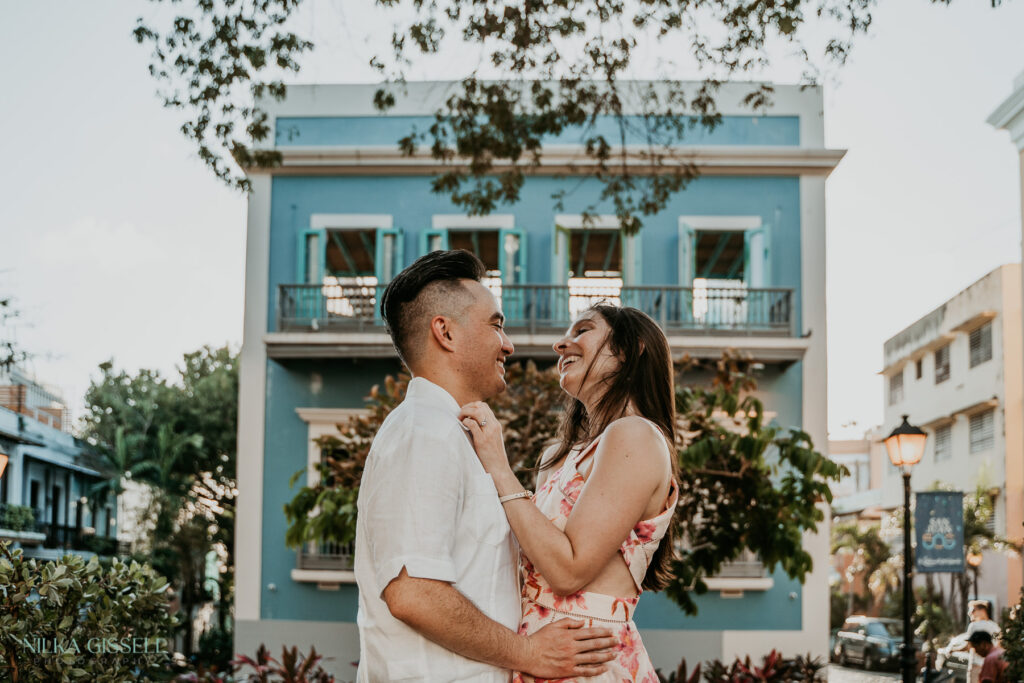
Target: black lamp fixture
906, 447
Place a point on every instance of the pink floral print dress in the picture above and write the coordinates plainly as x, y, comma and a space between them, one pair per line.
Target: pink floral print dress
541, 605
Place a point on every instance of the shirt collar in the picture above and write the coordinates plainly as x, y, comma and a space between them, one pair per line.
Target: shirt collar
421, 389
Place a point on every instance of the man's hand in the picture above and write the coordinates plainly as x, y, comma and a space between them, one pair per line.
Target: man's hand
565, 649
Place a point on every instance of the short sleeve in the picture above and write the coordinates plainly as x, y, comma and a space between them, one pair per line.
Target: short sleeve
412, 511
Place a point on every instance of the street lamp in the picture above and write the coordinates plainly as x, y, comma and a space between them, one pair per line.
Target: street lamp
3, 464
974, 560
906, 446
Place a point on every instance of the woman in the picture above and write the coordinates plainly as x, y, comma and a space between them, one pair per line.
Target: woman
599, 529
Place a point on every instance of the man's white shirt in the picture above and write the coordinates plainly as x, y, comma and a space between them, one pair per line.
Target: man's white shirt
426, 504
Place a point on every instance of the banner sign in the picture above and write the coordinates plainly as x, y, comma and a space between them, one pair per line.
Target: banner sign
939, 531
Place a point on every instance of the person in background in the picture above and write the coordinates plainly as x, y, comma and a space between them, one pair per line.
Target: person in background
980, 614
993, 670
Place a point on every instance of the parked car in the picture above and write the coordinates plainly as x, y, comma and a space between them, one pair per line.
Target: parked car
872, 642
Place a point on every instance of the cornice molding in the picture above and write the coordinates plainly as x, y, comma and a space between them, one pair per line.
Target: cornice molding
558, 159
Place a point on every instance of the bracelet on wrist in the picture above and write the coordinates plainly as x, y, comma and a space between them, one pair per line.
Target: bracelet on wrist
513, 496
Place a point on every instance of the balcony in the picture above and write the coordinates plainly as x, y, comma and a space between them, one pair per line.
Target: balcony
542, 308
343, 321
326, 564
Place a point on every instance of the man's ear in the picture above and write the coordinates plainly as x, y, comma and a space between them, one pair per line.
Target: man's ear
441, 331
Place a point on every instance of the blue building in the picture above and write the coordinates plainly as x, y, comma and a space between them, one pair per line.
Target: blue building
47, 476
735, 261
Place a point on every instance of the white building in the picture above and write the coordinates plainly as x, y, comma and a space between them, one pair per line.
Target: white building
957, 373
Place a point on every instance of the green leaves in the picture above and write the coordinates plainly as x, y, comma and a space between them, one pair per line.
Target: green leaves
65, 611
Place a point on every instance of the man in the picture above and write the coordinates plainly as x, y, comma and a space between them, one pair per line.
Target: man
435, 560
978, 611
994, 668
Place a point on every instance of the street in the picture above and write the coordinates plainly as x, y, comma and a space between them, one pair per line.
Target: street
842, 674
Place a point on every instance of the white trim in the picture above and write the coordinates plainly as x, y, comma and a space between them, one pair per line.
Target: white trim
326, 576
457, 221
720, 222
574, 221
740, 584
252, 392
785, 160
814, 409
322, 422
320, 221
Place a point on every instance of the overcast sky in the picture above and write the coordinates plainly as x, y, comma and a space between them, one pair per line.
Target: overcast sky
117, 242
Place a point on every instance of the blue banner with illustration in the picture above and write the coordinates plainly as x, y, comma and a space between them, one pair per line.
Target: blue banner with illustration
939, 531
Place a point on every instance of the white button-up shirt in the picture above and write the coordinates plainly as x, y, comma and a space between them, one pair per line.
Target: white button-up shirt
426, 504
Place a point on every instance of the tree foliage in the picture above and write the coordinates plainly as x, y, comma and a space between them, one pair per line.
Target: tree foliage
176, 440
743, 484
553, 66
83, 611
10, 353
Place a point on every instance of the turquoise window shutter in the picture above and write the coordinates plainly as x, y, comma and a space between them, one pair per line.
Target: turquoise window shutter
687, 251
512, 264
388, 259
757, 245
433, 240
632, 260
512, 256
311, 252
559, 255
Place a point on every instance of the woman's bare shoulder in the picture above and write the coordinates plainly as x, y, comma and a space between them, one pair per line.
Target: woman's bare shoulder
545, 457
635, 435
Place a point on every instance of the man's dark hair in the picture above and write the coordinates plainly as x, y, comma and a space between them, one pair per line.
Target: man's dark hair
979, 637
428, 287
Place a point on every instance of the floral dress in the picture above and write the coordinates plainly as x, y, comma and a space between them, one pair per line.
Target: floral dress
541, 605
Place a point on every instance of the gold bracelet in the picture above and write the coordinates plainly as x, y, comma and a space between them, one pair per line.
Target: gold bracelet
513, 496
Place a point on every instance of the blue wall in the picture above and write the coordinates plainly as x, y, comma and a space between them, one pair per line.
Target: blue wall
410, 202
343, 384
290, 384
388, 130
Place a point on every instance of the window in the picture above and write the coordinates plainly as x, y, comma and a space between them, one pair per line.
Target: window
919, 368
943, 442
981, 344
896, 388
345, 260
595, 268
942, 364
983, 435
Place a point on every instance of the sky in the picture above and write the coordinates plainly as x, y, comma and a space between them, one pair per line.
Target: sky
117, 243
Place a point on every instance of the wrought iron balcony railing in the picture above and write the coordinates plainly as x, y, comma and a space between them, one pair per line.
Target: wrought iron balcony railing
326, 555
543, 308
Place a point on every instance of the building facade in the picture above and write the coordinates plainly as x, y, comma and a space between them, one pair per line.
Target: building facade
47, 477
735, 261
957, 372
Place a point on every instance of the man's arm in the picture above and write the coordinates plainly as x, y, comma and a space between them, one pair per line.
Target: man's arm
438, 612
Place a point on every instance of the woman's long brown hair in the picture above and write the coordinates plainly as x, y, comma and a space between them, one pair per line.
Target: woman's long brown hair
644, 378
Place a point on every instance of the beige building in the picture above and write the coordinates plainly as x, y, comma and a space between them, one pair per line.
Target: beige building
957, 372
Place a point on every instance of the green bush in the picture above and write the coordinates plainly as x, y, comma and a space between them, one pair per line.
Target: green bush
774, 668
17, 517
73, 620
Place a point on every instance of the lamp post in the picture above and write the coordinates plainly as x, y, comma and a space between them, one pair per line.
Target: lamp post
905, 447
974, 561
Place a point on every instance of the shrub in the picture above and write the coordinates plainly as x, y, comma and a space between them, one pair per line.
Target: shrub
774, 668
17, 517
73, 620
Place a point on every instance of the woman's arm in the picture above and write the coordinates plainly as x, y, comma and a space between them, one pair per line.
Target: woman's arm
630, 465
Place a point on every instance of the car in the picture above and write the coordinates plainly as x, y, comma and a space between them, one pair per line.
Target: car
872, 642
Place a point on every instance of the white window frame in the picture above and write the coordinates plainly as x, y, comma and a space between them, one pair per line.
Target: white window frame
690, 225
896, 389
322, 422
565, 223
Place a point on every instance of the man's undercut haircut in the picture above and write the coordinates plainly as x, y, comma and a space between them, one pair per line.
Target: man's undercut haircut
429, 287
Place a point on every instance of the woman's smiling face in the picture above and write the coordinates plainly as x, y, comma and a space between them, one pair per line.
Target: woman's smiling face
585, 360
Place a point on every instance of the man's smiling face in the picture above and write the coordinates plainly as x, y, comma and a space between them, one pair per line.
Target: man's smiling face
484, 346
